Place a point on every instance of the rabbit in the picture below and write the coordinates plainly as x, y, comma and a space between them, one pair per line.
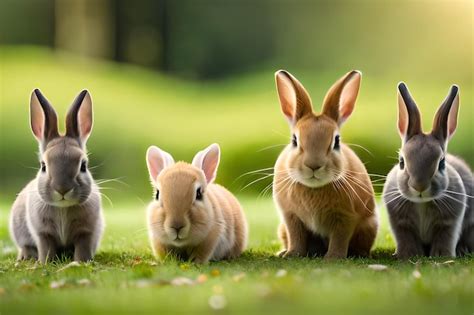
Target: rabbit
428, 194
320, 187
59, 212
191, 217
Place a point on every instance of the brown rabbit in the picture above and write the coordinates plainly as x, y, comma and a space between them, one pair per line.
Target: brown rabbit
321, 187
191, 217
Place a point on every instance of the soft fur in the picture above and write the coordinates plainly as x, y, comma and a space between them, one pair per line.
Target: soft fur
212, 228
429, 193
322, 190
59, 212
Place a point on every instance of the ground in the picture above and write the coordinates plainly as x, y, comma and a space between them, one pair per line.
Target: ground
125, 278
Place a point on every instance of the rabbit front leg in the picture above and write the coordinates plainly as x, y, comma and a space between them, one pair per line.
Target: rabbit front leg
443, 243
297, 236
339, 239
46, 248
408, 242
202, 253
83, 247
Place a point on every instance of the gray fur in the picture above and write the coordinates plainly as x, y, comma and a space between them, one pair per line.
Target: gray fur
430, 207
59, 212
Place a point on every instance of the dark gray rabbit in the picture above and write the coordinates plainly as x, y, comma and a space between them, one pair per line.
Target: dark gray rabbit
59, 212
429, 193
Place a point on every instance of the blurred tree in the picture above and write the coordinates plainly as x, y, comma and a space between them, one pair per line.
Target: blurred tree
27, 22
85, 27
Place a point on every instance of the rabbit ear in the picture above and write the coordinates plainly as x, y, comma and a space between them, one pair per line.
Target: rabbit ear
208, 161
409, 118
79, 118
157, 160
446, 118
43, 118
340, 99
294, 100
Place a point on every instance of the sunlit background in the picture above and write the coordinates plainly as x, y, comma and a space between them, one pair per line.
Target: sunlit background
184, 74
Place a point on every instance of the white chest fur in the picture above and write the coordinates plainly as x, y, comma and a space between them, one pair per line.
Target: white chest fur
62, 224
425, 222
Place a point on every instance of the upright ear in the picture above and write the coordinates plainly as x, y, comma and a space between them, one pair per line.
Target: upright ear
157, 160
208, 161
79, 118
446, 118
294, 100
43, 118
409, 118
340, 99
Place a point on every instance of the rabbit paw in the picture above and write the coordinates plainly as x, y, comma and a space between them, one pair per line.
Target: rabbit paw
333, 256
441, 252
290, 253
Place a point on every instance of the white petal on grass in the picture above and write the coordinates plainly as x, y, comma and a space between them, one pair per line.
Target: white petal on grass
238, 277
180, 281
281, 273
377, 267
217, 302
416, 274
84, 282
58, 284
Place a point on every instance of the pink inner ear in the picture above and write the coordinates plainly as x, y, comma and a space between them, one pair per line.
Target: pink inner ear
402, 117
348, 97
37, 117
453, 117
85, 117
155, 162
208, 161
287, 96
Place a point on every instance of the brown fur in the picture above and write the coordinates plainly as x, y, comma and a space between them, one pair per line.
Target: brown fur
334, 214
214, 228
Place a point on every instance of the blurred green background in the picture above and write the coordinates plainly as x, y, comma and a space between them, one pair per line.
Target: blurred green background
184, 74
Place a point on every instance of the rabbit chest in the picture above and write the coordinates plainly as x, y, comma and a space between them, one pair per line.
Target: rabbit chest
57, 222
62, 222
426, 219
318, 211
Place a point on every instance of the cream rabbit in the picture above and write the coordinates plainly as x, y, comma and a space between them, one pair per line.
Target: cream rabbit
321, 188
191, 217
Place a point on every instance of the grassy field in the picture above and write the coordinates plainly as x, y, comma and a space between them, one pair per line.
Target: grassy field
125, 278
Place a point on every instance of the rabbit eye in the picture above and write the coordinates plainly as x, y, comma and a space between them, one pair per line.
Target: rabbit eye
157, 196
442, 164
43, 167
83, 166
294, 142
199, 194
336, 142
402, 163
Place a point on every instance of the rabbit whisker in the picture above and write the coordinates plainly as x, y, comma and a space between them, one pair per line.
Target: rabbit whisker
272, 146
359, 146
458, 193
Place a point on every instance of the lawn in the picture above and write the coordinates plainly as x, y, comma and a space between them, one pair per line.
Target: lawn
125, 278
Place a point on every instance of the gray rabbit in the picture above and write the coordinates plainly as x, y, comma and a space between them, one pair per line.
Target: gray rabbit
59, 212
428, 195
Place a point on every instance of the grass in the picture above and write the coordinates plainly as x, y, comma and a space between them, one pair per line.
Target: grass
125, 278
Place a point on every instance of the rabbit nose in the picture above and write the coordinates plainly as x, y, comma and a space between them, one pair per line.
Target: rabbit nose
177, 228
314, 167
63, 190
419, 187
